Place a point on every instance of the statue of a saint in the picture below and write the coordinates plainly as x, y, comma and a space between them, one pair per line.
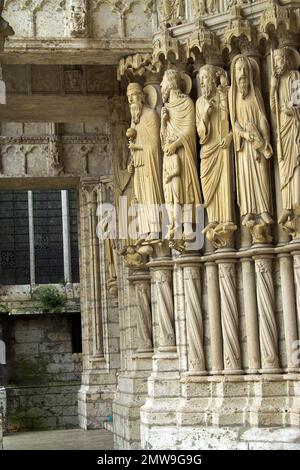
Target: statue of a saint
178, 136
145, 165
78, 18
173, 12
251, 134
212, 116
285, 103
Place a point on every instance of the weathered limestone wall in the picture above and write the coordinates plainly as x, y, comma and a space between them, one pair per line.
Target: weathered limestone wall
43, 373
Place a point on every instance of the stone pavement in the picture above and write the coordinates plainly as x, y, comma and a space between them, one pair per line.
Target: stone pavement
70, 439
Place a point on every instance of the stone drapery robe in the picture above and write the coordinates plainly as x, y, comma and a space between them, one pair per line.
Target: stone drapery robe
216, 167
252, 168
289, 165
181, 125
147, 171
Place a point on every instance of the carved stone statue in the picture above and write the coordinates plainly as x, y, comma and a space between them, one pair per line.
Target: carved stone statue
145, 164
78, 18
212, 115
252, 148
173, 12
285, 102
199, 7
178, 136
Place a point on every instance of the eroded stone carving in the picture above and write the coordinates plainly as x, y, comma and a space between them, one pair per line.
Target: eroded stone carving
78, 18
285, 104
145, 163
212, 115
172, 12
180, 178
252, 148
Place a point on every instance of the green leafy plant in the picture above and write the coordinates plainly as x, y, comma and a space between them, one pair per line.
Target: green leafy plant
4, 308
49, 299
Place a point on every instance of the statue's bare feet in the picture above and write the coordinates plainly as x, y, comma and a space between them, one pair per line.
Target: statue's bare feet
247, 219
266, 218
284, 216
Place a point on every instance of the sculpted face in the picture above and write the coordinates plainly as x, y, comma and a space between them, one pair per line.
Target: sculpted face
280, 62
242, 77
207, 84
135, 100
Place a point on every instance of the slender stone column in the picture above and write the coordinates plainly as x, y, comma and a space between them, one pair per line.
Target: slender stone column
162, 277
250, 308
66, 236
230, 317
31, 238
141, 281
289, 309
266, 309
90, 192
296, 256
214, 318
194, 321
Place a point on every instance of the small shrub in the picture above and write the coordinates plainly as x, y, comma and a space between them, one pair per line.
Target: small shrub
49, 300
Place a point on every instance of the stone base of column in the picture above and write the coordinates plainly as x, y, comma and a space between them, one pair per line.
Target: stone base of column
131, 395
237, 412
95, 395
3, 408
159, 411
275, 400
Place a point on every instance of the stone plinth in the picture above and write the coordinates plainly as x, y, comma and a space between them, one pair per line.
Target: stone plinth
159, 411
130, 397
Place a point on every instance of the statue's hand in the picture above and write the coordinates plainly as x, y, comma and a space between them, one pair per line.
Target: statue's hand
130, 168
170, 149
274, 81
287, 109
133, 146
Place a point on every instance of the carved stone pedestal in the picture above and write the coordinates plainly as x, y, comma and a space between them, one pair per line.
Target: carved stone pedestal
131, 395
158, 415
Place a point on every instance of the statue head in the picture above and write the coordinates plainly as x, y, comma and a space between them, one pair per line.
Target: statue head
284, 60
208, 80
135, 97
242, 75
171, 81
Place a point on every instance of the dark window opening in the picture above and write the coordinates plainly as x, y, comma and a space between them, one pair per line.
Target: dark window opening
76, 333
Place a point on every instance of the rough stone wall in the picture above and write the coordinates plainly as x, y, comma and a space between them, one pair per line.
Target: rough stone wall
43, 374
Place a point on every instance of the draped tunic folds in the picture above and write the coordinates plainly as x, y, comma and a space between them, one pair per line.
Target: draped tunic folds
289, 166
253, 184
216, 167
181, 125
147, 171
